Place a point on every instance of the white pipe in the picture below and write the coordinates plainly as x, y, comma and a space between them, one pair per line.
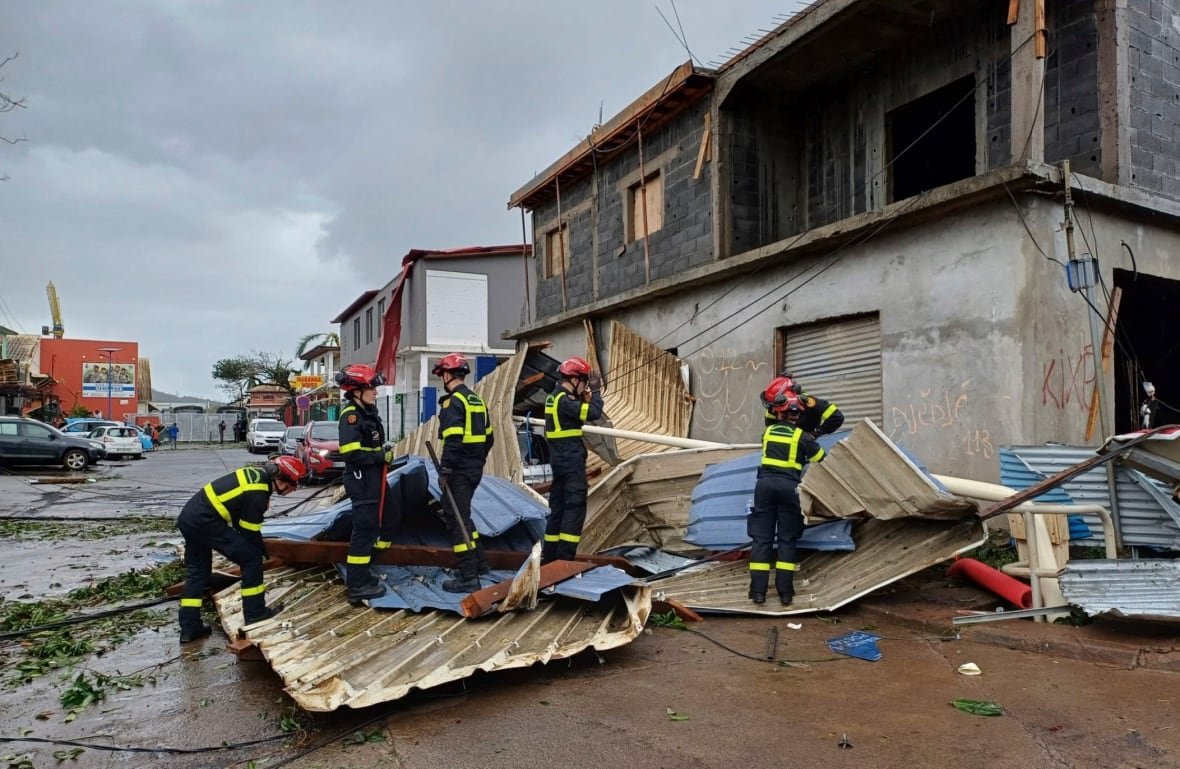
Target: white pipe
664, 440
1031, 534
994, 492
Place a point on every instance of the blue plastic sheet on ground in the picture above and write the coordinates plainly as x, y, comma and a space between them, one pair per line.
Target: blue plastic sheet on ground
420, 587
858, 644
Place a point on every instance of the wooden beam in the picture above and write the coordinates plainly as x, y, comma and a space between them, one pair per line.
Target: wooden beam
1107, 357
671, 604
299, 552
703, 152
1042, 37
483, 601
1013, 11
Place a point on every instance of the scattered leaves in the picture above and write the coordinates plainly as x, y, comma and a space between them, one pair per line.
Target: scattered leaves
978, 707
360, 738
68, 755
668, 619
674, 716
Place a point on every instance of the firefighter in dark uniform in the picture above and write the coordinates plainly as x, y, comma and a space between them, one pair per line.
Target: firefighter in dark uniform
575, 401
465, 429
820, 417
226, 516
786, 448
366, 455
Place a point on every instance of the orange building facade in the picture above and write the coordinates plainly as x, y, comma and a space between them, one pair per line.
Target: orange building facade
103, 381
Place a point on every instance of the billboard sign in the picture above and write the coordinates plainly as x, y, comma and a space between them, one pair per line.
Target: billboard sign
122, 380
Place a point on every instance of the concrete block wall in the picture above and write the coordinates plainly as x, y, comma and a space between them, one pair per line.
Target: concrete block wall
1154, 122
1072, 128
602, 264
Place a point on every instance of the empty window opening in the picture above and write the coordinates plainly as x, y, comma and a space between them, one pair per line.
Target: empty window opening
1147, 350
940, 154
557, 251
356, 333
645, 207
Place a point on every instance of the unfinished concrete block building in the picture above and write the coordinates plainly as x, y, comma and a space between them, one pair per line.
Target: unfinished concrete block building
872, 196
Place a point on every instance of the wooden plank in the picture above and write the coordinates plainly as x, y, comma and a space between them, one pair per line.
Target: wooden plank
529, 381
706, 134
1041, 39
1107, 357
483, 601
1013, 11
298, 552
244, 649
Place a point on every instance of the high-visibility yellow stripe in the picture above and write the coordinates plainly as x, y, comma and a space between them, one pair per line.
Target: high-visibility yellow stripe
551, 404
191, 602
447, 433
381, 544
552, 538
356, 446
249, 591
461, 547
773, 436
817, 456
569, 537
474, 535
471, 406
346, 409
221, 509
359, 560
759, 566
786, 566
831, 409
584, 412
249, 525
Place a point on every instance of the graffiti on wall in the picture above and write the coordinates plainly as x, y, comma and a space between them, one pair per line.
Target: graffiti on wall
1068, 379
941, 416
727, 393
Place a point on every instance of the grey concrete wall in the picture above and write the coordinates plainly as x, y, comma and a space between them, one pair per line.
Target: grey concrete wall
1154, 124
506, 295
366, 352
602, 264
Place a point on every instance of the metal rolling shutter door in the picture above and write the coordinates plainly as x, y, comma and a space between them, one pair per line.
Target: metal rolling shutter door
841, 362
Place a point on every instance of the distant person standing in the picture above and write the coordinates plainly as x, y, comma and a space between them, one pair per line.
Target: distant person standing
173, 435
221, 430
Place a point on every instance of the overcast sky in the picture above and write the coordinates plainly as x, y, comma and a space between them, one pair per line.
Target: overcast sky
209, 178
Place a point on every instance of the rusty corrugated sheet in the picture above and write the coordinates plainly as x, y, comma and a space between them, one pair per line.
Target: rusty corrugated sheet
645, 392
886, 551
498, 390
24, 348
1142, 588
646, 499
867, 475
330, 654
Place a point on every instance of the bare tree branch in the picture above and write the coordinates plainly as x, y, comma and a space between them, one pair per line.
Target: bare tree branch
8, 103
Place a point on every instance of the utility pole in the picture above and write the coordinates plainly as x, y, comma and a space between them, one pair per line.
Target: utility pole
1083, 276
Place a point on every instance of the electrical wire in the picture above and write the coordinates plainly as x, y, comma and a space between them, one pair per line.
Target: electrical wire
79, 620
739, 653
160, 749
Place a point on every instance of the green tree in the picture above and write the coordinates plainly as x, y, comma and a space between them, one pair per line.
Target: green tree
235, 375
329, 338
273, 368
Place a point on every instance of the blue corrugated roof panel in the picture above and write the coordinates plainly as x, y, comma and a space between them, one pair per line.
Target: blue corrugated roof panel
1016, 474
592, 585
420, 587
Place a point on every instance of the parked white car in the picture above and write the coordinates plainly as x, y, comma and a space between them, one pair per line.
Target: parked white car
118, 440
264, 435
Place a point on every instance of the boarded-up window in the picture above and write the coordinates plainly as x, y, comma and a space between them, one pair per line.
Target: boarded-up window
557, 251
651, 190
839, 361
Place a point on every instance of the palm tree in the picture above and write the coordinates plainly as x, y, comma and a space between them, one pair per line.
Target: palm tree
328, 338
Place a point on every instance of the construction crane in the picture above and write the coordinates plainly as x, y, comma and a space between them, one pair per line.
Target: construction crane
55, 308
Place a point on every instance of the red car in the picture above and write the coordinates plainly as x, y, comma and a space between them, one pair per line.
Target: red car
319, 449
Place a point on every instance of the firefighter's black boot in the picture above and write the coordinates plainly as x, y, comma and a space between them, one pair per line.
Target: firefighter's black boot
481, 559
253, 614
465, 578
758, 582
194, 633
784, 581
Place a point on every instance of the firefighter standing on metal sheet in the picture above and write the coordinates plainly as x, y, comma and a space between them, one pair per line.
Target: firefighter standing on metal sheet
465, 429
575, 401
362, 445
820, 417
786, 448
226, 516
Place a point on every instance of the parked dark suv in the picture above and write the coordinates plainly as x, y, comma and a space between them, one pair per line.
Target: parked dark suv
29, 442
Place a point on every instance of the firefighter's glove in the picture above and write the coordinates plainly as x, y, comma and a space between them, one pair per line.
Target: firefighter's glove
594, 381
388, 452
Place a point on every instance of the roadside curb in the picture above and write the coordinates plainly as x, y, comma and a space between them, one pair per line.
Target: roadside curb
1130, 652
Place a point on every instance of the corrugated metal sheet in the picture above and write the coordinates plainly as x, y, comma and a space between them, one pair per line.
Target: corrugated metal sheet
841, 357
650, 559
1140, 588
1016, 474
645, 393
886, 551
420, 587
866, 474
331, 655
24, 348
646, 500
1142, 522
592, 585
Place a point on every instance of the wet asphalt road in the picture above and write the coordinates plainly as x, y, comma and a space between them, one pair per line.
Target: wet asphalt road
608, 711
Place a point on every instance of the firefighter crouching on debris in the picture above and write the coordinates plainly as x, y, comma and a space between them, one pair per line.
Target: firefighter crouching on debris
226, 516
576, 400
786, 448
362, 446
820, 417
465, 429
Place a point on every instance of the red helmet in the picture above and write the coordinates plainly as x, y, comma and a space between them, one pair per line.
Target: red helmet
795, 386
573, 368
777, 391
288, 468
358, 377
452, 362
